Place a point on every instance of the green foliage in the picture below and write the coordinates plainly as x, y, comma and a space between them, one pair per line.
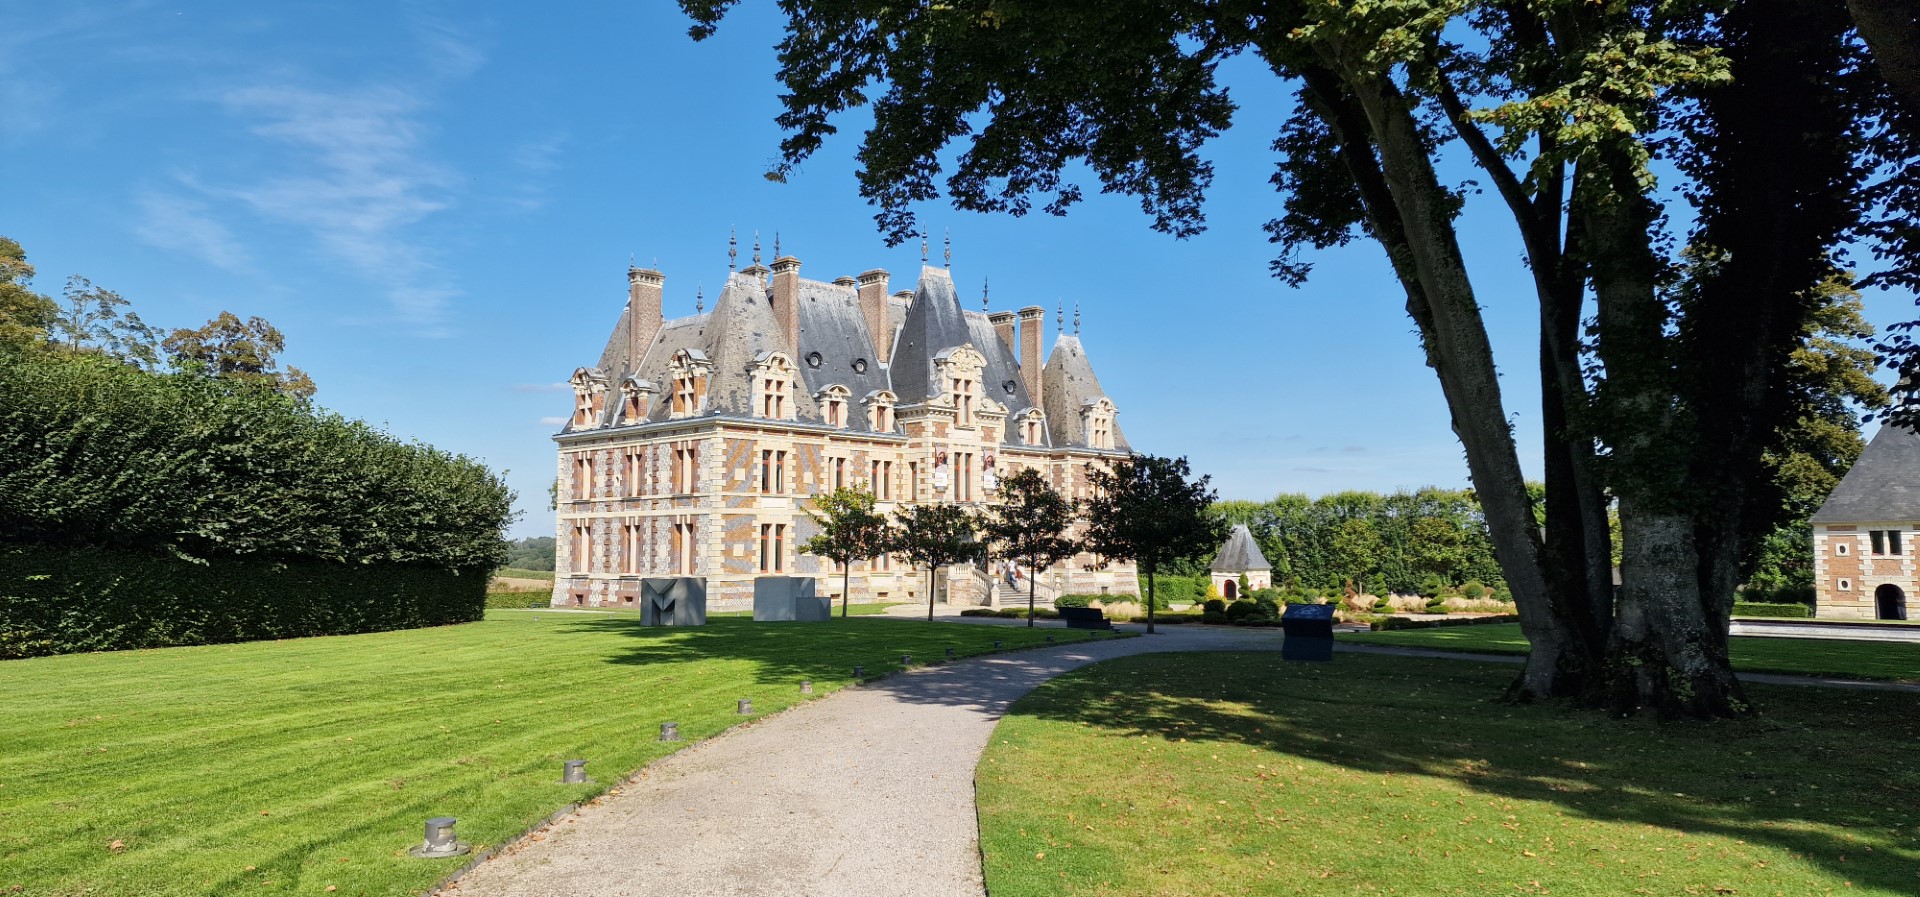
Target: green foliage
96, 453
1149, 510
25, 316
1382, 543
518, 600
1241, 609
62, 600
239, 350
1029, 524
933, 536
93, 319
533, 553
1215, 606
1011, 613
1394, 623
1756, 609
850, 530
1473, 589
1075, 600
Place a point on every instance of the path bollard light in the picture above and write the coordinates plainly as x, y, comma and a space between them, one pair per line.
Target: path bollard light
906, 660
996, 643
575, 773
440, 842
1049, 640
859, 672
949, 653
669, 731
806, 686
746, 707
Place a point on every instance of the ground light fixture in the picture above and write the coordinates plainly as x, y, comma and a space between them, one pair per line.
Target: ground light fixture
746, 707
906, 660
440, 842
806, 686
996, 643
949, 653
669, 731
859, 672
574, 772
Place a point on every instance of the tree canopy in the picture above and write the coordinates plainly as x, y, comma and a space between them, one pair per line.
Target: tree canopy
1150, 510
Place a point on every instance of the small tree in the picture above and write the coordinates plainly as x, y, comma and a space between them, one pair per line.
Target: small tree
935, 535
1148, 510
1030, 522
95, 319
239, 350
849, 531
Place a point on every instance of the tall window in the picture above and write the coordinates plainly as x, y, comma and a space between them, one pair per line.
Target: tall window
1886, 542
683, 548
963, 476
833, 405
685, 398
880, 411
882, 564
913, 479
582, 553
963, 397
773, 546
635, 470
630, 542
881, 482
773, 472
839, 473
686, 467
582, 476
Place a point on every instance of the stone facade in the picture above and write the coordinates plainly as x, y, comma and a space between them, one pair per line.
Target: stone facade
694, 448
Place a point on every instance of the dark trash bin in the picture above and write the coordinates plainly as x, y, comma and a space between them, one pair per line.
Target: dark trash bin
1309, 629
1085, 618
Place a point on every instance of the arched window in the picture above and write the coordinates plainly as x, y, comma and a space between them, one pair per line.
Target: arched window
879, 411
834, 401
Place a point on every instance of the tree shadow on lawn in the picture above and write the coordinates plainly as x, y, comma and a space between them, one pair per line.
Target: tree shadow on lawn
823, 652
1846, 756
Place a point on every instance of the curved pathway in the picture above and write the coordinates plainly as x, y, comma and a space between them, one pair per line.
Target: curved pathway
866, 792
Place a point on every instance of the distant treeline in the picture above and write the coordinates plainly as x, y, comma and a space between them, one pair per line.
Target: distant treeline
1425, 542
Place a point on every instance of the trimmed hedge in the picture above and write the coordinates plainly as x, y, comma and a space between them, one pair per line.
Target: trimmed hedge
1012, 613
1758, 609
518, 600
65, 600
1405, 623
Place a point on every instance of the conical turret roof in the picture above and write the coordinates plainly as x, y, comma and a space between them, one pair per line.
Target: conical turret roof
1240, 554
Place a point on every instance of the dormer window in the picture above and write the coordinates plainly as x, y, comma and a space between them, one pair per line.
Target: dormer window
690, 371
833, 405
1033, 426
636, 400
1098, 417
959, 371
773, 386
963, 396
880, 411
589, 396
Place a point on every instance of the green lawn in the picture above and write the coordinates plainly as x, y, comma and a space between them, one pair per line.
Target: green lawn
1191, 774
1753, 654
289, 767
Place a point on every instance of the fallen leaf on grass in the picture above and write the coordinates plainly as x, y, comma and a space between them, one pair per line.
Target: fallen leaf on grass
117, 845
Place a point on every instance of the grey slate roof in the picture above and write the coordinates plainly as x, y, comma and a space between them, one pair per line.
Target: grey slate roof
741, 327
1240, 554
1884, 484
1067, 385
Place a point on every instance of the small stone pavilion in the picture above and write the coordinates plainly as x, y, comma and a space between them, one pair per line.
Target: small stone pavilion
1240, 555
1863, 558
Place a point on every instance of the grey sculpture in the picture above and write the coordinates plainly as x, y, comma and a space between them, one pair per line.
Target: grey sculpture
789, 598
673, 601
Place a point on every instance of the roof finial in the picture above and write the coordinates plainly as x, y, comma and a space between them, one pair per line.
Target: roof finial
1060, 316
923, 246
949, 247
1076, 317
984, 284
756, 247
629, 261
700, 299
776, 246
733, 249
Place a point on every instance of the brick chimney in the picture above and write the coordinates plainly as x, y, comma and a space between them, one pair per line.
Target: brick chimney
786, 300
873, 307
644, 288
1032, 319
1002, 322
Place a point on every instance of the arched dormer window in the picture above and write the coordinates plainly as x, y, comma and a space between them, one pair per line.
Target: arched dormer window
834, 401
773, 377
689, 371
1097, 418
879, 411
589, 396
1033, 427
636, 400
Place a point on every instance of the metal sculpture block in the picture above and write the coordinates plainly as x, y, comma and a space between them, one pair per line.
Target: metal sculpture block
785, 599
673, 601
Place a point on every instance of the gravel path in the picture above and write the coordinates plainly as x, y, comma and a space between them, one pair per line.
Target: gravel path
865, 793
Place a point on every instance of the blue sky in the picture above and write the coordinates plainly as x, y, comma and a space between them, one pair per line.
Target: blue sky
437, 204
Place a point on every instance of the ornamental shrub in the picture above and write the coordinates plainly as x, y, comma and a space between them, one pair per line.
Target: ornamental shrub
1240, 609
1213, 616
1214, 606
1074, 600
1772, 610
1473, 589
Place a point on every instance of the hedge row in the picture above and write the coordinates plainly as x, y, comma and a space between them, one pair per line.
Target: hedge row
1380, 623
1758, 609
66, 600
94, 453
518, 600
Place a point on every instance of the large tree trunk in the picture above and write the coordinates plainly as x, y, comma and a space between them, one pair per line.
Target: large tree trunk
1891, 29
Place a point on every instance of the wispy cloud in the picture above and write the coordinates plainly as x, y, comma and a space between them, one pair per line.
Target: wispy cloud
185, 225
541, 387
451, 51
552, 421
364, 179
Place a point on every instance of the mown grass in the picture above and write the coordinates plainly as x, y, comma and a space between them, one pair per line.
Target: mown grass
1754, 654
1192, 774
290, 767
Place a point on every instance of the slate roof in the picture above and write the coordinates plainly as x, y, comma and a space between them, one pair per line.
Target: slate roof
1240, 554
1884, 484
1068, 385
741, 327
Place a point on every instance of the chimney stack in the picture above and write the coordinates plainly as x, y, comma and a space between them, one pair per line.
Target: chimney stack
1032, 319
1002, 322
873, 307
644, 289
786, 300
